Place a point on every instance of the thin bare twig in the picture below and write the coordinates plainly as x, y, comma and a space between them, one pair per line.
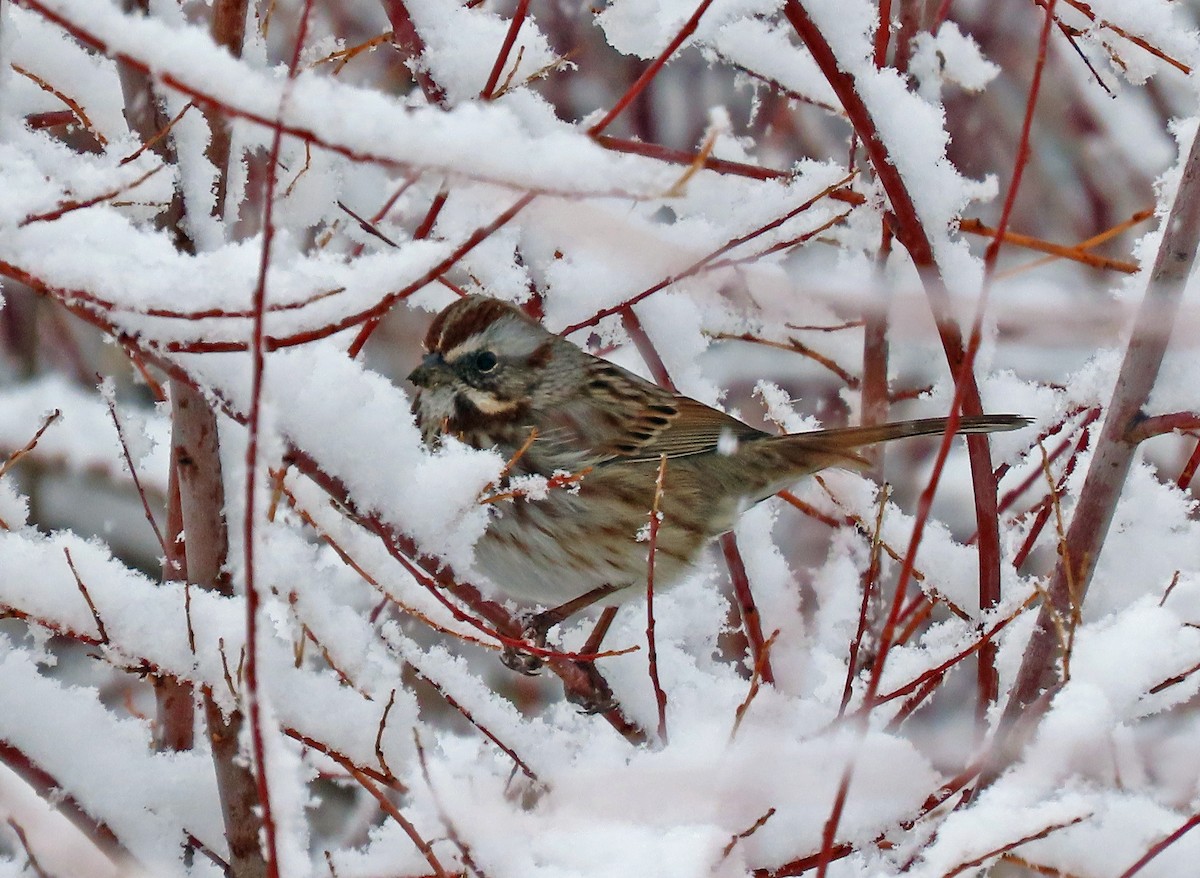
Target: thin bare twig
73, 104
980, 860
660, 696
755, 684
111, 402
30, 857
100, 629
379, 734
746, 833
464, 850
31, 444
392, 811
253, 695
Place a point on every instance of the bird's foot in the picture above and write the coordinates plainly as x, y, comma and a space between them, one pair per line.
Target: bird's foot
520, 660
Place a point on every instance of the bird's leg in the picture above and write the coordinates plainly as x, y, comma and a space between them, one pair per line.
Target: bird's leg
540, 623
601, 699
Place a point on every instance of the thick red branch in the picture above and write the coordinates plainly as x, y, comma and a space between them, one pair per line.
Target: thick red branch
1116, 446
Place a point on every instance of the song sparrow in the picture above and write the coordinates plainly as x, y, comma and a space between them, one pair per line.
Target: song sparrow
494, 378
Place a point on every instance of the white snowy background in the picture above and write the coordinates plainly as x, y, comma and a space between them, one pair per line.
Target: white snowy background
726, 232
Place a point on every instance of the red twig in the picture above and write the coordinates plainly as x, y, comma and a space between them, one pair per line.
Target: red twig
755, 684
1160, 846
510, 37
829, 849
650, 72
392, 811
931, 678
988, 679
408, 40
993, 249
422, 232
210, 101
389, 781
751, 619
464, 850
869, 582
31, 444
645, 347
434, 575
1157, 425
253, 420
386, 207
686, 157
746, 833
73, 104
925, 503
911, 233
883, 31
660, 697
1177, 678
100, 629
50, 119
1043, 515
1189, 469
379, 734
68, 206
30, 857
137, 481
1011, 496
804, 864
50, 789
751, 622
435, 208
273, 343
484, 730
978, 861
705, 261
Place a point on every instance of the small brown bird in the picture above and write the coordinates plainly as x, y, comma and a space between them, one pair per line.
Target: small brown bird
494, 378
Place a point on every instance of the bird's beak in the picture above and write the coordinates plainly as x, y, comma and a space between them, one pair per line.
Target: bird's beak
431, 372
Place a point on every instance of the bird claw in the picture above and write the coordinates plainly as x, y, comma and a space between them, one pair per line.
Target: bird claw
523, 662
592, 703
516, 659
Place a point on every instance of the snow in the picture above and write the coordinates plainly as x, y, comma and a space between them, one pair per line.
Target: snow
360, 658
949, 56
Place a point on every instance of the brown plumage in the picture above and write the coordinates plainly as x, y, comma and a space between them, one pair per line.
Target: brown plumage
493, 378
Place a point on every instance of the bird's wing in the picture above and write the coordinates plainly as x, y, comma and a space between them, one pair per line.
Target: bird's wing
624, 417
693, 428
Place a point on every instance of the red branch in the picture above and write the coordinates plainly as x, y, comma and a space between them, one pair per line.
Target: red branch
747, 606
988, 679
1160, 846
408, 40
704, 262
650, 72
50, 790
510, 37
910, 232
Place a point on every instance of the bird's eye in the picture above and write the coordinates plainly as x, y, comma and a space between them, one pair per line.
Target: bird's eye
485, 361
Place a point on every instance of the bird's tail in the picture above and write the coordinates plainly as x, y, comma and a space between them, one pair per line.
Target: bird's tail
838, 447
